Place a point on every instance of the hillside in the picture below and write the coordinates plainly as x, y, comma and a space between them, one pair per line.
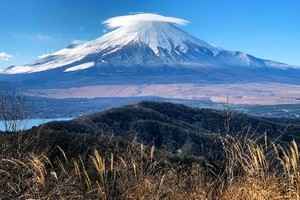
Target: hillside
176, 128
153, 151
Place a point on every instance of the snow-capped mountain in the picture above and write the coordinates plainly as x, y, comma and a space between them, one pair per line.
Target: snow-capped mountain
143, 40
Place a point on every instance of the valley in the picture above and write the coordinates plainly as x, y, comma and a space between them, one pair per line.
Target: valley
240, 94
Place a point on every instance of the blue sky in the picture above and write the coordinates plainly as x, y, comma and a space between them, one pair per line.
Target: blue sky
264, 28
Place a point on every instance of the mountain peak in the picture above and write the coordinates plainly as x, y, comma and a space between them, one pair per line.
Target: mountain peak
157, 35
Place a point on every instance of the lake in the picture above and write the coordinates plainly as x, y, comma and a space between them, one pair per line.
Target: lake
29, 123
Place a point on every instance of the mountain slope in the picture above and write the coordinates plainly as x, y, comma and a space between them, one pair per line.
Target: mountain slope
147, 40
172, 126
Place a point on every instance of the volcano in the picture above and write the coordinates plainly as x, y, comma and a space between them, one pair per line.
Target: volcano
146, 49
145, 40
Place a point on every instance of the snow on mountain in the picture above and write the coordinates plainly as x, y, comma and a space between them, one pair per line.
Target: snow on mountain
80, 67
142, 39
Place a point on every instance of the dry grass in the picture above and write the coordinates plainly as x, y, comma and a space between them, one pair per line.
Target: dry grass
250, 171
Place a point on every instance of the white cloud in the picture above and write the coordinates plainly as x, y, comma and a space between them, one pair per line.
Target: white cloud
77, 42
120, 21
5, 56
44, 56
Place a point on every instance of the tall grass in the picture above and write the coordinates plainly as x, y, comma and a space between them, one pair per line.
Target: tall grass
250, 170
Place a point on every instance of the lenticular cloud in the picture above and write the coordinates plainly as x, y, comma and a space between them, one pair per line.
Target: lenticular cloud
121, 21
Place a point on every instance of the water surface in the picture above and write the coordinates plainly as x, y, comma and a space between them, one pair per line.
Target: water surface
29, 123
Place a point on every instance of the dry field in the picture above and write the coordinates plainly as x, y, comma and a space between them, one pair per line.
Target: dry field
248, 171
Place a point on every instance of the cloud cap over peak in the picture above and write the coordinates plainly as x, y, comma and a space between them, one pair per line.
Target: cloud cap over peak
127, 20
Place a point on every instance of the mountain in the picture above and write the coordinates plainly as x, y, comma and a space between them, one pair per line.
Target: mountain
149, 40
174, 127
149, 49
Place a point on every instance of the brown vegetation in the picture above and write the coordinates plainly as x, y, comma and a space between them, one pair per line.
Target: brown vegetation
129, 170
54, 162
